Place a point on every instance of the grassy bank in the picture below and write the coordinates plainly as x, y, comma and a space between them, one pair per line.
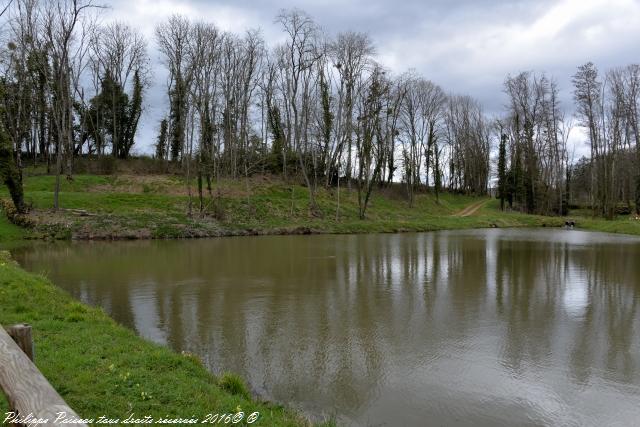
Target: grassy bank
10, 232
156, 206
101, 368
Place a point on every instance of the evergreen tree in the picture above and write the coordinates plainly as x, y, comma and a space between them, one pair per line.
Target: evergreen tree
161, 144
437, 174
530, 178
177, 118
516, 181
134, 111
10, 173
277, 147
327, 115
502, 170
113, 117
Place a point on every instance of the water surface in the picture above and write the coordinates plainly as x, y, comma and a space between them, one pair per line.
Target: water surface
464, 328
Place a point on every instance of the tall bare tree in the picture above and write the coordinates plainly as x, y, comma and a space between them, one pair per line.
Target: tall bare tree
297, 59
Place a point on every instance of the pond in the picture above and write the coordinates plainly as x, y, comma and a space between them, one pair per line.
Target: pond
461, 328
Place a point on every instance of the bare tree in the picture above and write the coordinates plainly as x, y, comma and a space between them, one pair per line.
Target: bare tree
205, 48
421, 109
297, 59
467, 135
173, 40
351, 54
374, 127
65, 26
537, 134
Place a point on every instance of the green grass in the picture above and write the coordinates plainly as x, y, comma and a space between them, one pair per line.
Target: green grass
233, 384
10, 232
624, 225
156, 206
101, 368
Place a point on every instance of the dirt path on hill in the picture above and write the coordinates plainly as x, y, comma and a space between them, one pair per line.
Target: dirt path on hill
471, 209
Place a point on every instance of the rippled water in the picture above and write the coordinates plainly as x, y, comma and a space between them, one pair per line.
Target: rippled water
465, 328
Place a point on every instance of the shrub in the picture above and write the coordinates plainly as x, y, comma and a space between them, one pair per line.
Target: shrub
623, 209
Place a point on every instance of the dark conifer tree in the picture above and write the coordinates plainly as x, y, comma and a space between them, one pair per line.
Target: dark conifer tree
502, 170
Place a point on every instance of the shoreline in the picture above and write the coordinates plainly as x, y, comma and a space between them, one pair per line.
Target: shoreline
86, 355
452, 222
92, 232
142, 207
293, 231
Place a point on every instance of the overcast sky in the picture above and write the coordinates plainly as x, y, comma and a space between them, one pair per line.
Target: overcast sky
465, 46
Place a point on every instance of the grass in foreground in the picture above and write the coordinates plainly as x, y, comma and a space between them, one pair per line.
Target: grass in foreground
101, 368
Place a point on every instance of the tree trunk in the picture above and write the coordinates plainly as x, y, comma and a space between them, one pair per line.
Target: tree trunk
10, 173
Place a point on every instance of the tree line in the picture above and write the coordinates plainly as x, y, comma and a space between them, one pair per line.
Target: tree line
535, 168
315, 107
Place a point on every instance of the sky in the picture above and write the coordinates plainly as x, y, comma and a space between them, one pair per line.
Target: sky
465, 46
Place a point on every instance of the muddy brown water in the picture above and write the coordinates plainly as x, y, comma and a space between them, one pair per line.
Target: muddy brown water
462, 328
